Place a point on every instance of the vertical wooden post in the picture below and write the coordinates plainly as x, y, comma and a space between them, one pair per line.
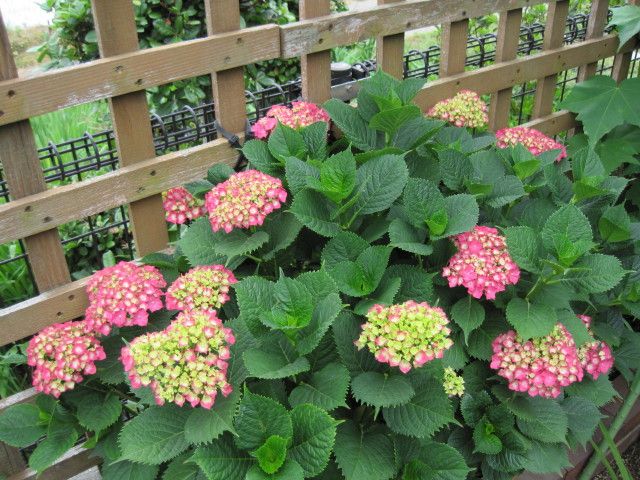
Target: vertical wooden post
595, 28
116, 30
622, 61
506, 49
316, 67
553, 38
453, 53
227, 85
390, 50
23, 172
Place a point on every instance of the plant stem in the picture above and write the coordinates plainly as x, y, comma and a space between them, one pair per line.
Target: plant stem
617, 423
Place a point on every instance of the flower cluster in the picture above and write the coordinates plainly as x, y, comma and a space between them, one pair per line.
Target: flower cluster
203, 287
466, 109
299, 115
595, 357
61, 355
186, 362
533, 140
541, 366
244, 200
181, 206
453, 383
482, 264
405, 335
123, 295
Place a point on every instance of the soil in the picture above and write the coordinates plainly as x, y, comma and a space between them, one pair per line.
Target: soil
631, 459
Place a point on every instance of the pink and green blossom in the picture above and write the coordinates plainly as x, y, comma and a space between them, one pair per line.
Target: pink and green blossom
301, 114
203, 287
453, 383
181, 206
533, 140
465, 109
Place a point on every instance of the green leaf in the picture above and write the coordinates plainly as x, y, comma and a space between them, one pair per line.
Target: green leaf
61, 436
361, 277
283, 228
292, 306
627, 19
222, 460
601, 104
424, 205
484, 438
437, 461
462, 212
415, 283
314, 211
338, 175
389, 121
255, 297
125, 470
381, 389
546, 420
473, 407
409, 88
596, 273
427, 412
408, 238
479, 342
299, 174
455, 167
599, 391
180, 468
383, 295
291, 470
575, 326
285, 142
505, 190
315, 138
155, 436
258, 418
237, 242
314, 433
21, 425
363, 455
97, 411
326, 388
530, 319
547, 458
346, 246
271, 454
379, 182
204, 426
257, 152
274, 359
219, 173
583, 417
353, 126
468, 314
324, 313
568, 233
346, 330
523, 244
615, 224
198, 244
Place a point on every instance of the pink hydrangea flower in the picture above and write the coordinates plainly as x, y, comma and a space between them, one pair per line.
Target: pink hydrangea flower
405, 335
482, 264
181, 207
595, 357
205, 287
533, 140
466, 109
186, 362
123, 295
244, 200
538, 367
61, 355
299, 115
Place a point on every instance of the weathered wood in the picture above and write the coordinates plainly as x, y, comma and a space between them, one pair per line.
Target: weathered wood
11, 460
506, 49
595, 29
553, 123
116, 31
23, 173
390, 50
553, 38
228, 85
622, 62
316, 67
453, 51
327, 32
25, 396
75, 461
136, 71
125, 185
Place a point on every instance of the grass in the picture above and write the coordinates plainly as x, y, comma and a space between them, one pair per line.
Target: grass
23, 39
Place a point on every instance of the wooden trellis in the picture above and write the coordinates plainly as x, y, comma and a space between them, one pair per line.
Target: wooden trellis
123, 73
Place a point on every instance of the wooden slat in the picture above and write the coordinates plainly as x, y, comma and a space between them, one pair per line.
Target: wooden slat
390, 49
23, 173
132, 72
25, 396
116, 30
553, 38
453, 51
595, 29
622, 62
228, 85
327, 32
506, 49
316, 67
554, 123
75, 461
127, 184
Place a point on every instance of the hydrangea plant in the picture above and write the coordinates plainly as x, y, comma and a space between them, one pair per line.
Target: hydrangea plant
414, 300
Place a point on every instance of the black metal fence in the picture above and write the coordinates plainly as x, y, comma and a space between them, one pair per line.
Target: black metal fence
96, 153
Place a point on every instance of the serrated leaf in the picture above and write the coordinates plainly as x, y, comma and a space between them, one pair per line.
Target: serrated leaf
292, 306
361, 277
462, 211
599, 391
353, 126
383, 295
548, 422
181, 468
346, 329
155, 436
468, 314
258, 418
505, 190
338, 175
299, 174
437, 461
424, 205
125, 470
203, 426
427, 412
525, 247
473, 406
379, 182
415, 283
313, 210
21, 425
480, 339
346, 246
283, 228
583, 417
615, 224
363, 456
575, 326
237, 242
254, 296
286, 142
315, 138
530, 319
326, 388
97, 411
257, 152
289, 471
314, 433
61, 436
627, 19
274, 359
381, 389
484, 438
110, 369
271, 454
408, 238
324, 314
546, 458
595, 273
567, 233
222, 460
219, 173
198, 244
390, 120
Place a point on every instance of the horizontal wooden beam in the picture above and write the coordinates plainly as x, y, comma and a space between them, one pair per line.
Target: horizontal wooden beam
503, 75
554, 123
73, 462
105, 78
323, 33
60, 205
